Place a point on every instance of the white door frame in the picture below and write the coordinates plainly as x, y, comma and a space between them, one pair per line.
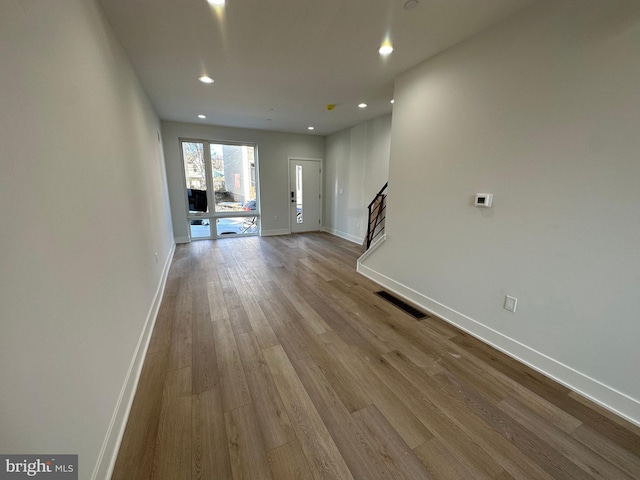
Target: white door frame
321, 162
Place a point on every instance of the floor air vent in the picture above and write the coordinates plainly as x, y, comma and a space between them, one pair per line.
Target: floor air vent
415, 313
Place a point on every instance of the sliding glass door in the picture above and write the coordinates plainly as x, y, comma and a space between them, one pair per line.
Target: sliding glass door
221, 188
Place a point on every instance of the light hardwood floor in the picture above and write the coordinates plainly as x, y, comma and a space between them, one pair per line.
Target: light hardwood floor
272, 359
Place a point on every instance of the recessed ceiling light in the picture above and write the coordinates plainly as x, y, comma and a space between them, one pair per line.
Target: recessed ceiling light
205, 79
202, 116
410, 4
363, 105
216, 3
392, 101
311, 128
385, 49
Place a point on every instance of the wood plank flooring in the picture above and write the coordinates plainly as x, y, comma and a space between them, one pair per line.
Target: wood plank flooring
271, 358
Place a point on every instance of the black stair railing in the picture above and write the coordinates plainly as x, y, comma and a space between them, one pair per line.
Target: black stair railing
376, 216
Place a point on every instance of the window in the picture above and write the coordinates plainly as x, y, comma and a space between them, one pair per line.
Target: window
221, 188
234, 177
195, 174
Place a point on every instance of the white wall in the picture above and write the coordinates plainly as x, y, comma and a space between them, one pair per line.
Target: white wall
356, 168
274, 148
542, 111
83, 209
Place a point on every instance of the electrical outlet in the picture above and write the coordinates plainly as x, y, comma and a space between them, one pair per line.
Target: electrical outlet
510, 303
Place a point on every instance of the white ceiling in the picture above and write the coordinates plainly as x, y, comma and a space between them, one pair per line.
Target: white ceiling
277, 63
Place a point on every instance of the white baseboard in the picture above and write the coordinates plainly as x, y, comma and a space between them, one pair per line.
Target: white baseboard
372, 248
280, 231
182, 239
346, 236
109, 452
608, 397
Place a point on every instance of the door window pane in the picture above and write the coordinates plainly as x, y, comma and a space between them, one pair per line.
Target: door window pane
298, 193
195, 175
234, 177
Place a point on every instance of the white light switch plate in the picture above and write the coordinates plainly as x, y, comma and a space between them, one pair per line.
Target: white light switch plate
510, 303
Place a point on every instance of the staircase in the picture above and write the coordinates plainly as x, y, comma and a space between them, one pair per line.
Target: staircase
376, 217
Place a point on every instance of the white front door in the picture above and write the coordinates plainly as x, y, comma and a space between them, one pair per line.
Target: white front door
304, 194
